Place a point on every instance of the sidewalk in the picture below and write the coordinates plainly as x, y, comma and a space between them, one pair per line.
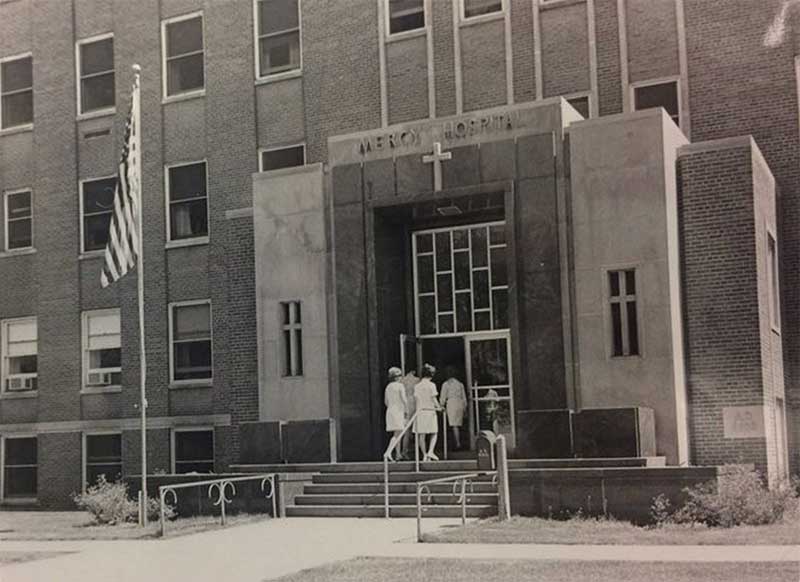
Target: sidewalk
271, 549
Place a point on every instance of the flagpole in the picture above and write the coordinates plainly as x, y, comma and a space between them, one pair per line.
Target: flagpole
137, 143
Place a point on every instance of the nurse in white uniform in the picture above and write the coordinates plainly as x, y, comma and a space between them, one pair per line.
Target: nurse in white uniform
427, 406
394, 397
454, 401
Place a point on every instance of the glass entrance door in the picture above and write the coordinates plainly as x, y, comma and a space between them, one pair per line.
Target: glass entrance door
489, 375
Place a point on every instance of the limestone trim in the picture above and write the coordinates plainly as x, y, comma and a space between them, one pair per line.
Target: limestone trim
430, 57
537, 49
457, 72
683, 58
739, 141
382, 64
594, 102
160, 422
509, 58
622, 25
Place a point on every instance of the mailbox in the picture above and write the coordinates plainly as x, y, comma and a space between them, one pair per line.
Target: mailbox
484, 445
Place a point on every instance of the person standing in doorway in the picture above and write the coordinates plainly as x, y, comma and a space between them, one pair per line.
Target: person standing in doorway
394, 397
427, 406
454, 401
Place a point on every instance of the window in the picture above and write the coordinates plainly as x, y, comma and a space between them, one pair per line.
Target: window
292, 345
193, 451
278, 32
20, 468
774, 283
16, 91
182, 40
288, 157
96, 74
103, 456
190, 338
20, 347
97, 205
474, 8
663, 94
624, 318
188, 201
19, 220
405, 15
101, 348
581, 105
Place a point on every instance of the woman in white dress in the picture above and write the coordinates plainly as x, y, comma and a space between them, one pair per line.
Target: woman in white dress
394, 397
454, 401
427, 406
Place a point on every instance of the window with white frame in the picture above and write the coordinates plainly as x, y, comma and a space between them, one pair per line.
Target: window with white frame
193, 451
16, 91
19, 220
405, 15
20, 354
102, 351
472, 8
278, 31
103, 457
96, 74
624, 317
184, 66
773, 281
97, 206
190, 339
287, 157
292, 343
658, 94
187, 195
20, 468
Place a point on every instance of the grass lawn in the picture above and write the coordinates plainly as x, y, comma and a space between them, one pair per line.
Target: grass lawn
533, 530
19, 557
78, 525
466, 570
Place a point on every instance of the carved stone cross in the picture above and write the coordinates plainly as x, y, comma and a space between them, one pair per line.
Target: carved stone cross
436, 158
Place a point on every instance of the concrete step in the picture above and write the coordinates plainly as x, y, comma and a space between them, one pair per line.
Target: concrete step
395, 511
358, 467
599, 463
395, 499
377, 488
396, 477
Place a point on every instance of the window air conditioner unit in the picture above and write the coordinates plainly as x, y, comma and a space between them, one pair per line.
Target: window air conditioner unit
20, 382
99, 379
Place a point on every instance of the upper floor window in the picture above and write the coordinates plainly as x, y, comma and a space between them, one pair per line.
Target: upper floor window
187, 196
405, 15
288, 157
19, 220
97, 206
96, 74
658, 94
278, 31
20, 340
190, 339
472, 8
624, 317
16, 91
102, 352
774, 283
184, 66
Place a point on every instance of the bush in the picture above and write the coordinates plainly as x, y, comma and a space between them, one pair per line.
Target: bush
739, 497
110, 503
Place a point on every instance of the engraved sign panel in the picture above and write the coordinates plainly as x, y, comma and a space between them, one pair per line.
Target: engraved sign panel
743, 422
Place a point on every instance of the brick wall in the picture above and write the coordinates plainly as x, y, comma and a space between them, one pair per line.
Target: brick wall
443, 58
565, 50
407, 79
483, 64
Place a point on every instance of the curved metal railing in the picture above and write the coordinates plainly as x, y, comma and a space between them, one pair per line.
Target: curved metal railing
462, 480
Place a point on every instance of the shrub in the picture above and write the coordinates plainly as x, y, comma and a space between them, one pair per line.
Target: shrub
739, 497
110, 503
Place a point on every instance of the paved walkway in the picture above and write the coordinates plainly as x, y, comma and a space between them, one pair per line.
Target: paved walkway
265, 550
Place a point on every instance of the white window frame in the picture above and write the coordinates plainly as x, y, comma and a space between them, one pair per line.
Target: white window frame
3, 440
81, 183
24, 126
653, 82
171, 317
773, 282
262, 151
85, 452
462, 8
172, 448
189, 241
257, 47
164, 24
295, 328
622, 299
85, 369
79, 78
387, 21
6, 220
3, 351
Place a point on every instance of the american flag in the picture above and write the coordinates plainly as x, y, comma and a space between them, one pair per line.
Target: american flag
123, 236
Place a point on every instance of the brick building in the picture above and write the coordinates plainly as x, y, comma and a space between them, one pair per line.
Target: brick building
636, 270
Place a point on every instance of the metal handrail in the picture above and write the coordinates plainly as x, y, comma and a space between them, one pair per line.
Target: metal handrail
463, 479
390, 449
221, 486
